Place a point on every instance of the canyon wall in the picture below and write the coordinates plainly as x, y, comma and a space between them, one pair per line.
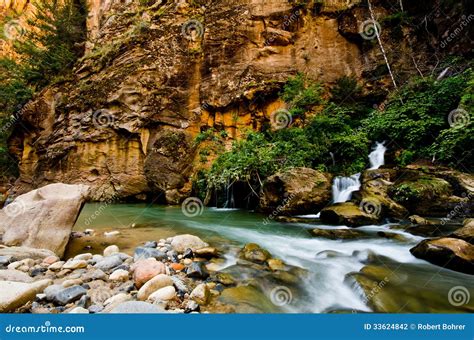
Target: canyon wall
157, 73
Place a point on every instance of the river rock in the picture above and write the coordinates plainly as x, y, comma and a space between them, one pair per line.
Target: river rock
83, 257
158, 282
145, 253
224, 278
56, 266
94, 274
50, 260
66, 295
150, 244
75, 264
188, 254
14, 275
108, 263
78, 310
163, 294
191, 306
197, 270
276, 264
137, 307
116, 299
20, 253
447, 252
16, 294
119, 275
6, 260
349, 214
465, 233
201, 294
182, 242
337, 234
145, 270
254, 253
295, 191
111, 250
43, 218
206, 252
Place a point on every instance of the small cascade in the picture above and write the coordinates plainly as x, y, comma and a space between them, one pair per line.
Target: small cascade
343, 187
229, 196
376, 157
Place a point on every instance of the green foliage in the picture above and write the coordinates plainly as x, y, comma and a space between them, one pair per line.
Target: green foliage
404, 194
301, 94
416, 119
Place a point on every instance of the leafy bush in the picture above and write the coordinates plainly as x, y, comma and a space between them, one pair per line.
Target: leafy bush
404, 194
301, 94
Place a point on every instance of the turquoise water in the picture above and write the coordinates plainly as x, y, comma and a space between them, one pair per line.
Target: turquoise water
402, 282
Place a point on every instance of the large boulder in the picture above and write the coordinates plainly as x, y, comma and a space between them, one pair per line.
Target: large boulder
16, 294
447, 252
182, 242
296, 191
20, 253
43, 218
465, 233
350, 214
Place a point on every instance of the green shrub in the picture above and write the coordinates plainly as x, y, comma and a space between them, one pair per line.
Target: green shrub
404, 194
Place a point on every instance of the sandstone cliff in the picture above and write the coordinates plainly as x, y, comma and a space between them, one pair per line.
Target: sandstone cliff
156, 73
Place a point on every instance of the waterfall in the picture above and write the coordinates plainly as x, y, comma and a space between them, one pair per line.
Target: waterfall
343, 187
376, 157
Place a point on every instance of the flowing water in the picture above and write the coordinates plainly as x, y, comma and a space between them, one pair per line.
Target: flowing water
377, 156
343, 187
328, 285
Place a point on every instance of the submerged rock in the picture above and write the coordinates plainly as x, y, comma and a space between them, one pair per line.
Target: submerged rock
295, 191
43, 218
338, 234
447, 252
254, 253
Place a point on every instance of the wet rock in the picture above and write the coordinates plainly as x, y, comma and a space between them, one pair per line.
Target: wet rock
188, 254
66, 295
191, 306
296, 191
108, 263
276, 264
338, 234
254, 253
224, 278
144, 270
151, 244
465, 233
119, 275
348, 214
415, 219
447, 252
158, 282
247, 299
111, 250
137, 307
163, 294
145, 253
182, 242
45, 218
201, 294
197, 270
180, 285
206, 252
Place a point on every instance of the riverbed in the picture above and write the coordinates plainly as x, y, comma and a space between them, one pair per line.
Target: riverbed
392, 280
